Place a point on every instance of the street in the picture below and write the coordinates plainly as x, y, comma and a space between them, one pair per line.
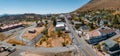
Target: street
80, 42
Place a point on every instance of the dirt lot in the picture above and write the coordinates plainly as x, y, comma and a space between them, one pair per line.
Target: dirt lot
2, 37
14, 41
118, 40
27, 23
30, 36
54, 39
4, 53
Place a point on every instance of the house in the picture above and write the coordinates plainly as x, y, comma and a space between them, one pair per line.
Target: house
59, 20
83, 28
60, 26
40, 24
69, 16
112, 47
61, 16
95, 36
103, 22
77, 24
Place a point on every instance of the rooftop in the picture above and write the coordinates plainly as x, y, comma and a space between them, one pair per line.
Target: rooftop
94, 33
58, 20
59, 24
99, 32
9, 26
110, 43
106, 31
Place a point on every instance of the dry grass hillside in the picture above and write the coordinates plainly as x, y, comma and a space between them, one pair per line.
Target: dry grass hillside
101, 4
2, 37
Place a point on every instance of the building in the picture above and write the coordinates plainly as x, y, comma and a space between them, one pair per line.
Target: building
112, 47
69, 16
60, 26
77, 24
9, 27
59, 20
40, 24
61, 16
95, 36
83, 28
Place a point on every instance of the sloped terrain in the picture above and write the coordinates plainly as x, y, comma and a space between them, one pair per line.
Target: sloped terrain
101, 4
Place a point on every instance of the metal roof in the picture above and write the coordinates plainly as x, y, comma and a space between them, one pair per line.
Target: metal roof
59, 24
110, 43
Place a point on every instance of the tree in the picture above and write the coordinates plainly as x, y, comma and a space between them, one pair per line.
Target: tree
76, 18
46, 22
1, 24
91, 26
54, 22
13, 44
36, 20
98, 46
63, 44
45, 32
59, 33
115, 20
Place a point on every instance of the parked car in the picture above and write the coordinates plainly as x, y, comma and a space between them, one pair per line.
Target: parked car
2, 49
67, 31
11, 49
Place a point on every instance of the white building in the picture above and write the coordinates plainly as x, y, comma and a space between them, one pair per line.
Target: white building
60, 26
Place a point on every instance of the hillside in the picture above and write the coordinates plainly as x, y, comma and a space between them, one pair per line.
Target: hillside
101, 4
6, 19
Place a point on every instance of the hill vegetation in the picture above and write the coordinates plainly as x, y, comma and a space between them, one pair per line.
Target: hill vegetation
101, 4
97, 11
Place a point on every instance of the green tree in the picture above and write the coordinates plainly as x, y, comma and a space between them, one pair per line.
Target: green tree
91, 26
59, 33
63, 44
98, 46
76, 18
46, 22
54, 22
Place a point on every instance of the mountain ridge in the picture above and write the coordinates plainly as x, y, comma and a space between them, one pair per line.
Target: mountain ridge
101, 4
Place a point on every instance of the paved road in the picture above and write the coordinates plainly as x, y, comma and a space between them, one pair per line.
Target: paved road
80, 42
36, 39
40, 50
22, 32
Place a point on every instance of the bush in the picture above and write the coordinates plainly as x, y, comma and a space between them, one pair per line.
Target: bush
45, 32
54, 22
98, 46
63, 44
59, 33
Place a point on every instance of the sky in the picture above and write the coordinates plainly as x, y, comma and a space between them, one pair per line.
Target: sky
39, 6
